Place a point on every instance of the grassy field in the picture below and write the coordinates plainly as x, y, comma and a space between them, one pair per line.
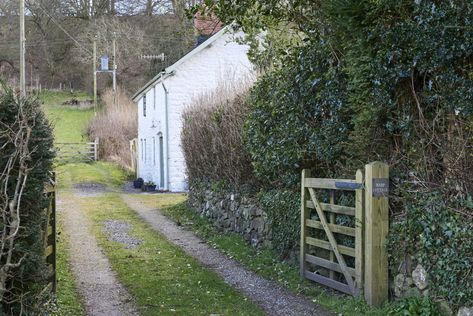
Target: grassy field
69, 123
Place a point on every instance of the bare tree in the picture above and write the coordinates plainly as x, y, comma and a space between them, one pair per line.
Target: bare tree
129, 39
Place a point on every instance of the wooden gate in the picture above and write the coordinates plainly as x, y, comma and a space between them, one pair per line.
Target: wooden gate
77, 152
343, 246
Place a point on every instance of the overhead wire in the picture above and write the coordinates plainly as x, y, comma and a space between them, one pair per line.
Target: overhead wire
29, 44
64, 30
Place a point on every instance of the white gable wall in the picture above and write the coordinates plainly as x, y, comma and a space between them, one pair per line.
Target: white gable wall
151, 128
221, 61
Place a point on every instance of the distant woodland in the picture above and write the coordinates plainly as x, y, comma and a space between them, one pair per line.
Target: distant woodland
60, 35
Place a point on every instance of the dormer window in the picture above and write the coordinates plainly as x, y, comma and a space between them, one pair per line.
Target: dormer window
144, 105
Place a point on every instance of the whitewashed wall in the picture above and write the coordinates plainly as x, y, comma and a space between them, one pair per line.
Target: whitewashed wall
223, 60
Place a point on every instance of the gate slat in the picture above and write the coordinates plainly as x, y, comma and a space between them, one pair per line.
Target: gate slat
333, 184
359, 220
328, 282
344, 210
76, 151
349, 231
327, 264
344, 250
333, 242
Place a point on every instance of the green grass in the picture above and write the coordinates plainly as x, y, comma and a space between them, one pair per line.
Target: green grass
162, 278
265, 263
69, 123
105, 173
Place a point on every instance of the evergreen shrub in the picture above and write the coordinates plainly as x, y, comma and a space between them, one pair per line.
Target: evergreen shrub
27, 280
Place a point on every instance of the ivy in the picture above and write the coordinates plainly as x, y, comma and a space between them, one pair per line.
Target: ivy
440, 240
346, 82
283, 209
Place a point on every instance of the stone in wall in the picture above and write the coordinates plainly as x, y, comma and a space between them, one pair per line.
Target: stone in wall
420, 277
233, 213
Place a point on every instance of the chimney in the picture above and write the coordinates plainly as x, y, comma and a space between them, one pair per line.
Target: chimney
206, 25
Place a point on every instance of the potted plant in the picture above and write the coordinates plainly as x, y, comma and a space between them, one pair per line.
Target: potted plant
138, 183
149, 186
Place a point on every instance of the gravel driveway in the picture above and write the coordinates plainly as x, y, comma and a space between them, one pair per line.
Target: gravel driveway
100, 290
270, 296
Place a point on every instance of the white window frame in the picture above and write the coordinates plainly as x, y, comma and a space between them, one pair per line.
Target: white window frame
144, 105
146, 158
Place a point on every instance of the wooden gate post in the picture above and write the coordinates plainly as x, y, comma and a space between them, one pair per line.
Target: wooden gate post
96, 149
304, 216
376, 230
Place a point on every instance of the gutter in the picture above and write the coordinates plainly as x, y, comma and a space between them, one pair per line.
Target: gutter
166, 128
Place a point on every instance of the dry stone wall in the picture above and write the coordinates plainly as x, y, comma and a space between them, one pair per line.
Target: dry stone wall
415, 282
232, 212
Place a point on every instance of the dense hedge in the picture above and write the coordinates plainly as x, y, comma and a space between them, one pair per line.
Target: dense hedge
347, 82
24, 288
212, 137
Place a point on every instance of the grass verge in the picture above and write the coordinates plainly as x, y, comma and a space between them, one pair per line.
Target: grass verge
162, 278
265, 263
101, 172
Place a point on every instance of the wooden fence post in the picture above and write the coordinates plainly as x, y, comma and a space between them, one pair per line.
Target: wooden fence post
304, 216
96, 149
376, 230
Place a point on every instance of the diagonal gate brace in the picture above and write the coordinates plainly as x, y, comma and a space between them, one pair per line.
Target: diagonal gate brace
333, 242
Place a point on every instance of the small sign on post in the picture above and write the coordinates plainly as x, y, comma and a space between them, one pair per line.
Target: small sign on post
104, 63
380, 187
376, 231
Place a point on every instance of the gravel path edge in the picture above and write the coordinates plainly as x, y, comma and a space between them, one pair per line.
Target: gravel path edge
272, 298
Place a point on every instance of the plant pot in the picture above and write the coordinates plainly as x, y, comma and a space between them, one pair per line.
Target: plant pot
148, 188
138, 183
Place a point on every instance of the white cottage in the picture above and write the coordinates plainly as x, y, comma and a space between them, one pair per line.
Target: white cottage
162, 100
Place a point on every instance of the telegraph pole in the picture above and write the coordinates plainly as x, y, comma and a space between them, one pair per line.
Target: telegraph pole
22, 50
114, 64
95, 76
114, 70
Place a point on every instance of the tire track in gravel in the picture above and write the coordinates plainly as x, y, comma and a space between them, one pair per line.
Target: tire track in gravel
271, 297
97, 284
